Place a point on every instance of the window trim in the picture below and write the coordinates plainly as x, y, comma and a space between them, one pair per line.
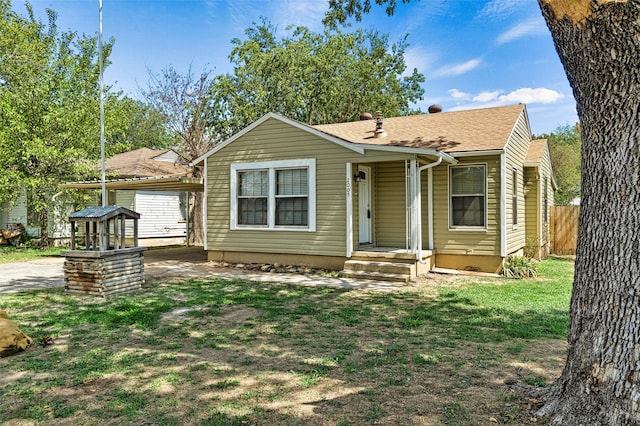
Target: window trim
453, 227
271, 167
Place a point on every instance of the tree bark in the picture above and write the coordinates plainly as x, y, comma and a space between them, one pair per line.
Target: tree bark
196, 217
598, 42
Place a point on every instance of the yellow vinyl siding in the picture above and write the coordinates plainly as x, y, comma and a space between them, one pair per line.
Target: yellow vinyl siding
424, 207
516, 152
274, 140
546, 173
390, 210
533, 210
478, 242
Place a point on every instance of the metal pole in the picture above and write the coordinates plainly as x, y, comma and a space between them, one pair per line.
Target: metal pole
104, 184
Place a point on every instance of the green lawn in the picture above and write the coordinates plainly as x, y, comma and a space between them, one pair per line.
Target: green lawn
222, 352
21, 254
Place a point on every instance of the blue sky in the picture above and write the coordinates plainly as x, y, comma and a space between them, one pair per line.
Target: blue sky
473, 53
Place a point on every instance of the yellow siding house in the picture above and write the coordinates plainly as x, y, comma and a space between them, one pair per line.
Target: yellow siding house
455, 190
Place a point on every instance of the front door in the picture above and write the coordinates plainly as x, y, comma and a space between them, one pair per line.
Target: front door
364, 204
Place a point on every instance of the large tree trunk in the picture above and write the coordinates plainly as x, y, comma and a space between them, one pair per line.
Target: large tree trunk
599, 45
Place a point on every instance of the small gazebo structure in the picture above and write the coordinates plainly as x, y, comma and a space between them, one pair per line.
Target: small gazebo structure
104, 259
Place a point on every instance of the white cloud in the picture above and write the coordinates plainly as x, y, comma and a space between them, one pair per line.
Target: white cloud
458, 69
499, 8
528, 95
525, 95
533, 26
456, 94
486, 96
298, 13
420, 58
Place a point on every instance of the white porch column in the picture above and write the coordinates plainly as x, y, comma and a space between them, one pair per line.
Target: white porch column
349, 209
413, 208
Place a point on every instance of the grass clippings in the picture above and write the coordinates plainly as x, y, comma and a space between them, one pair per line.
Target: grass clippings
232, 352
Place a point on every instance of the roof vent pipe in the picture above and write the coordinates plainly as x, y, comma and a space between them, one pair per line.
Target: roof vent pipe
435, 108
379, 133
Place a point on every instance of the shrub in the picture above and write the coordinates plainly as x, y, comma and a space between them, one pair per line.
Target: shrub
519, 267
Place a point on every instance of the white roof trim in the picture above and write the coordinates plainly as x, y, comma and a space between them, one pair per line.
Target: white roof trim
409, 150
526, 122
283, 119
477, 153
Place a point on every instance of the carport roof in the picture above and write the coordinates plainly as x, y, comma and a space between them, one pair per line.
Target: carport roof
159, 183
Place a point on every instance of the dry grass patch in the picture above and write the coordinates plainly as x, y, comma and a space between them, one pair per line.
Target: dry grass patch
223, 352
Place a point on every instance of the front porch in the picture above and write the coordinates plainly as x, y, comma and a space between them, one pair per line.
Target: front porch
386, 264
389, 237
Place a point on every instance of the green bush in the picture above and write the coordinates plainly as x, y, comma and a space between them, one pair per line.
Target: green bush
519, 267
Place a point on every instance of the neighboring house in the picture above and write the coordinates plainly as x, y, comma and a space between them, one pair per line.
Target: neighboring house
457, 190
17, 213
11, 216
162, 213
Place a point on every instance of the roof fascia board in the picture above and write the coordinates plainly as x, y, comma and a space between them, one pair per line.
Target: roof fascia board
523, 114
283, 119
477, 153
407, 150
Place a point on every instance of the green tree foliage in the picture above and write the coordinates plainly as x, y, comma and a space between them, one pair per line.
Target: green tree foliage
565, 145
49, 110
131, 124
341, 10
48, 106
314, 78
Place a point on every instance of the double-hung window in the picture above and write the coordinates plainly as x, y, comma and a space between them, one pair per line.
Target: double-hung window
273, 195
468, 186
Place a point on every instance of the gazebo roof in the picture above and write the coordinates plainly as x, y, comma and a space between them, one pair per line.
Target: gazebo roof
96, 213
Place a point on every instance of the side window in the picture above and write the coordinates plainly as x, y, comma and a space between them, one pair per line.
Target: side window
467, 188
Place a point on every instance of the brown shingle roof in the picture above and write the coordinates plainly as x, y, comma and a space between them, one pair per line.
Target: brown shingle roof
451, 132
141, 163
536, 151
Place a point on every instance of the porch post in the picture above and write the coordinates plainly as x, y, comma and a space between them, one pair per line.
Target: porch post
413, 219
349, 209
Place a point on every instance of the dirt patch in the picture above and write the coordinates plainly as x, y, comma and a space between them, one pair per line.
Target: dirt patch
271, 354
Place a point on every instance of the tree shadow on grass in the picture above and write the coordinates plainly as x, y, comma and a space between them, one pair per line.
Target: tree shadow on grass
372, 357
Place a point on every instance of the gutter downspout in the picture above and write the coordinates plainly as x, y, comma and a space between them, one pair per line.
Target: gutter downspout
430, 206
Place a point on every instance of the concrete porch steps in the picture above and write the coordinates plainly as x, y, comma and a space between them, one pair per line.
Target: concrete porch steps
379, 269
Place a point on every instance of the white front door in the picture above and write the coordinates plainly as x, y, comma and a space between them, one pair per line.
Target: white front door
364, 204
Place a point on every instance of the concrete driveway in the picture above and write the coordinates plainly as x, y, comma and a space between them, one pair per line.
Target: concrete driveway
166, 265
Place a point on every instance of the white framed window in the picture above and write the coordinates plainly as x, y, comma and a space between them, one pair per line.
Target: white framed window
467, 194
274, 195
514, 198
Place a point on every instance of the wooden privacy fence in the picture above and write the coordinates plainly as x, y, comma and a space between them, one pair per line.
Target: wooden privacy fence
564, 229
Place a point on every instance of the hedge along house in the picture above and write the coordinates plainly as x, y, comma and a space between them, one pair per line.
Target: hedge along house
418, 192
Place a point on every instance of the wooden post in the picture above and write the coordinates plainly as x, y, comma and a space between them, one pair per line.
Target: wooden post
123, 230
135, 233
73, 235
